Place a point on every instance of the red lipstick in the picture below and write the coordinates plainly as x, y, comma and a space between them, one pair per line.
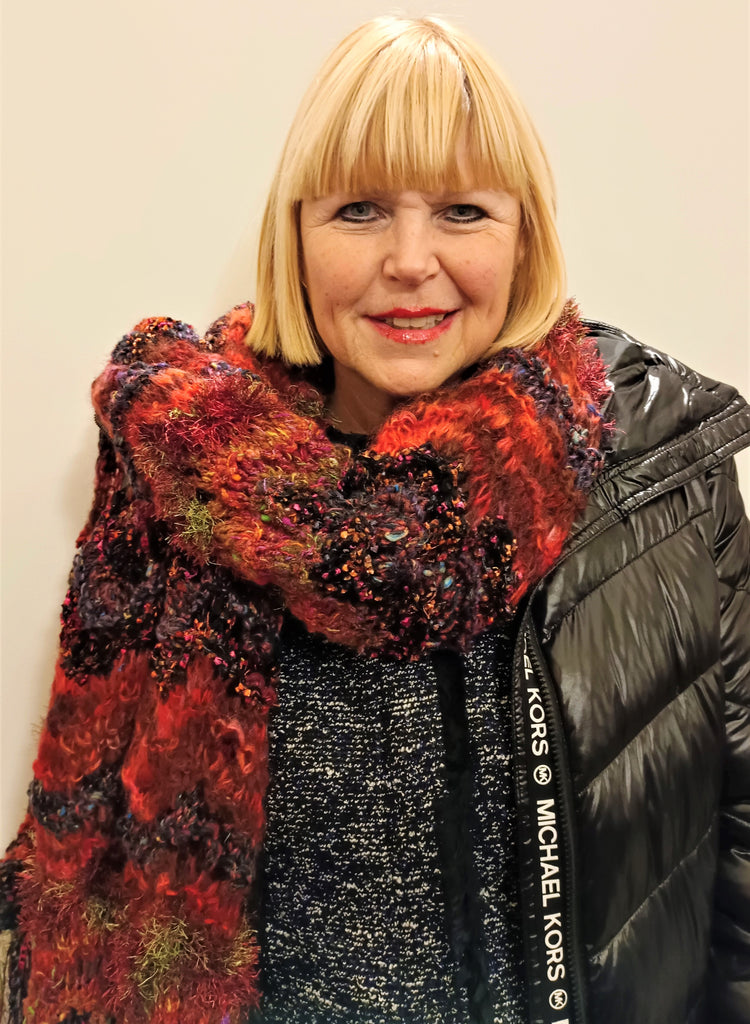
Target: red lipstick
412, 335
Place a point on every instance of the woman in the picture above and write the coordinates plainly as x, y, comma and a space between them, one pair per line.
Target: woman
404, 666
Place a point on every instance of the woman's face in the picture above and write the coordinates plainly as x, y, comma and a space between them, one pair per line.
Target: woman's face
406, 289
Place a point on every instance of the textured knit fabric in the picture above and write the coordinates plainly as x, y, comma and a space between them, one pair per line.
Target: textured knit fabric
220, 503
372, 912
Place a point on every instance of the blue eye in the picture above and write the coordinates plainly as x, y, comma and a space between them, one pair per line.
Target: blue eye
358, 213
464, 213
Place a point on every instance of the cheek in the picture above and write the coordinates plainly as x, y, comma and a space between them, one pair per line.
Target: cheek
486, 277
331, 283
488, 287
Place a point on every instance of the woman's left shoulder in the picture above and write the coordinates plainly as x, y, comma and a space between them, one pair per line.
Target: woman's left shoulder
656, 400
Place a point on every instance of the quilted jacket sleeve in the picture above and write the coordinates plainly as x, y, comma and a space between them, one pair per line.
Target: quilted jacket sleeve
730, 979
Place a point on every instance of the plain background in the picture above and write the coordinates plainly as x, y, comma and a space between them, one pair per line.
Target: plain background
139, 141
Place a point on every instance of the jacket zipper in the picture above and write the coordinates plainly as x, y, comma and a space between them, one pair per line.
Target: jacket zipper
554, 997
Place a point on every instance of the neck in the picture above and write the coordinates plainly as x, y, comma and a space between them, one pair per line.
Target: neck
356, 406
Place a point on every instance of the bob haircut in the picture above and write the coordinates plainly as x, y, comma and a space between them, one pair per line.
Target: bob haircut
407, 104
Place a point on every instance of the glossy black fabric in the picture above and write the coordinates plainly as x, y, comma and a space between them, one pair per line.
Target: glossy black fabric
645, 625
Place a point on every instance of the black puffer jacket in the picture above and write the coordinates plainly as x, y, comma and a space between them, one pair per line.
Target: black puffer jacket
632, 716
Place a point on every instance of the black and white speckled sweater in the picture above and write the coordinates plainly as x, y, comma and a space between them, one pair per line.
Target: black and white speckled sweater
391, 880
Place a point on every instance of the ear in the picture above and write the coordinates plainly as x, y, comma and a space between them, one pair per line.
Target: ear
302, 276
521, 245
519, 256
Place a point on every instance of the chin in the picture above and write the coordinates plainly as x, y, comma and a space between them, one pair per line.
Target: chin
426, 382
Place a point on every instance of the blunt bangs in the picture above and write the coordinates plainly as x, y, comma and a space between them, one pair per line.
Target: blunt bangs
408, 119
407, 104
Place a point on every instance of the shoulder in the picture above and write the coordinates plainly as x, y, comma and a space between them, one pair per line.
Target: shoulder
657, 401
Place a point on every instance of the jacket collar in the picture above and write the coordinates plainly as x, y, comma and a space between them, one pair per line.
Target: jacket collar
672, 424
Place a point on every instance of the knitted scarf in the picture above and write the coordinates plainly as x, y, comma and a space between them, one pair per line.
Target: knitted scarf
220, 503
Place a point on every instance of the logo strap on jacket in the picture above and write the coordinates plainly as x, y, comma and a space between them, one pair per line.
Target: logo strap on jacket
553, 987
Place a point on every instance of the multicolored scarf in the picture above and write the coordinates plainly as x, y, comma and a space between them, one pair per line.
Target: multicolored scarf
221, 502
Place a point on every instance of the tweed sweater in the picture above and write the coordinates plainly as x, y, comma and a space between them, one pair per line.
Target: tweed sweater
378, 849
220, 506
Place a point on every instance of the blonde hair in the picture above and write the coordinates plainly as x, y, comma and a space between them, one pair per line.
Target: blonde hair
407, 103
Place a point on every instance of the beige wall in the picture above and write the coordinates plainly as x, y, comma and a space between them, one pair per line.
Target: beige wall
139, 140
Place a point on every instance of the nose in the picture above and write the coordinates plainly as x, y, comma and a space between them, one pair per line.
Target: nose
411, 255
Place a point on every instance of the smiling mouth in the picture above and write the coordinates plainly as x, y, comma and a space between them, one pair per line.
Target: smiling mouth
413, 328
413, 322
